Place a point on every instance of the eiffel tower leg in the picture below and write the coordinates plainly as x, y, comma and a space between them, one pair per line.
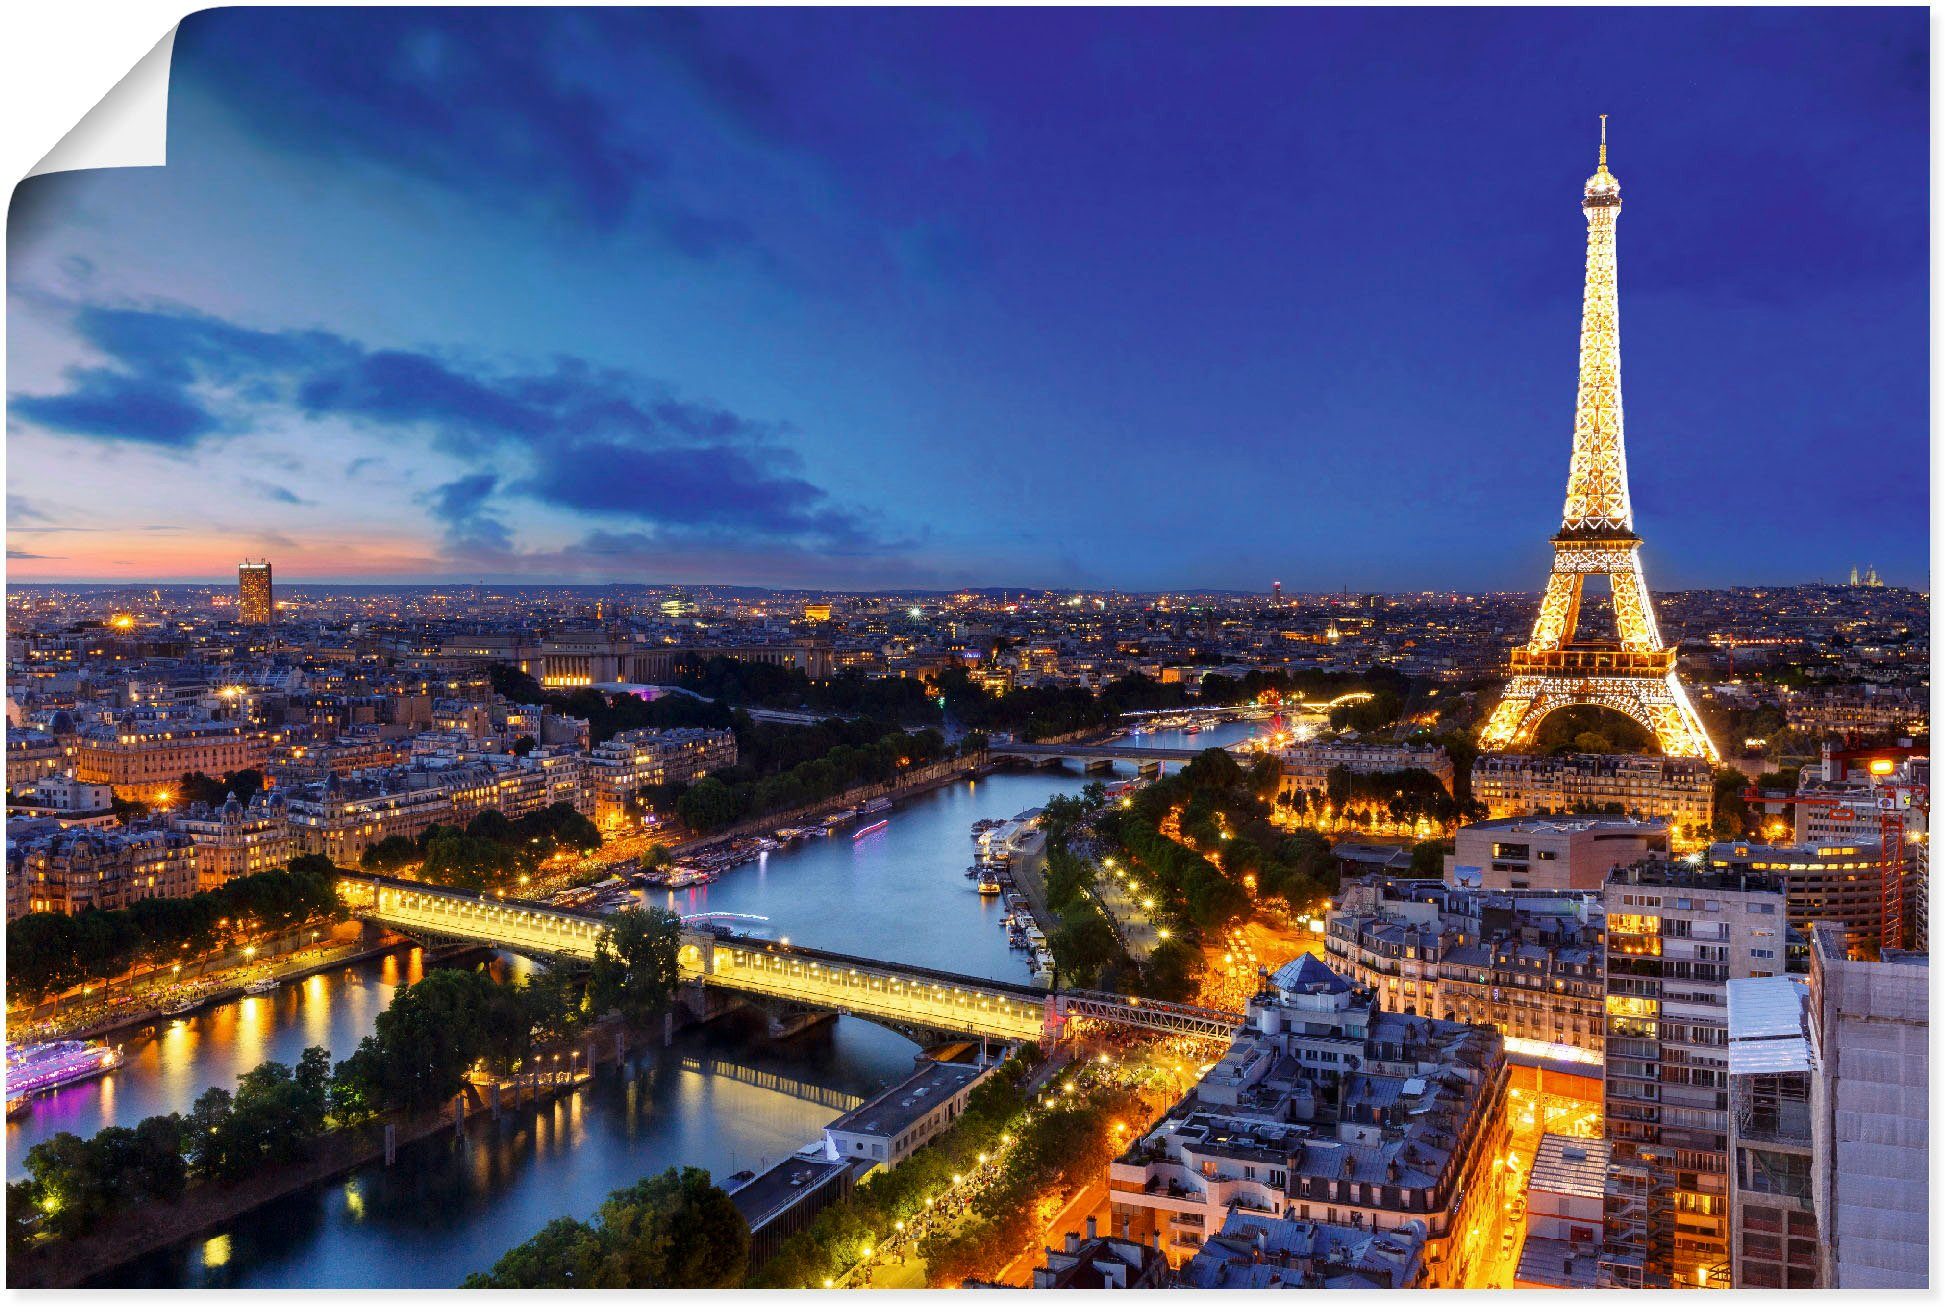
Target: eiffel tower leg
1634, 614
1512, 722
1559, 609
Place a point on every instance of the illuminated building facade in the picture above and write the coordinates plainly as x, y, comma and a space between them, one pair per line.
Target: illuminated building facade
1632, 672
75, 869
635, 759
1680, 792
1676, 935
145, 759
233, 840
253, 600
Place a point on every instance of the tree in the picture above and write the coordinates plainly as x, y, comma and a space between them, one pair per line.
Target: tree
422, 1044
676, 1230
389, 855
635, 964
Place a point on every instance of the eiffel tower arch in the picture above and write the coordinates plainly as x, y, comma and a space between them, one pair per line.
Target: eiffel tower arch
1632, 672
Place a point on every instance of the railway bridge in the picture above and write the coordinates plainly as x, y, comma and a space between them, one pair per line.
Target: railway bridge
901, 996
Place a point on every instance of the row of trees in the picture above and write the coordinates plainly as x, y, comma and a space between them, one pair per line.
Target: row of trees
1397, 797
835, 1241
1228, 851
728, 796
490, 850
416, 1058
73, 1184
676, 1230
49, 951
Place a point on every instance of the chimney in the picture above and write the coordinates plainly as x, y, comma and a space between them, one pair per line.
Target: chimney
1090, 1227
1124, 1227
1073, 1242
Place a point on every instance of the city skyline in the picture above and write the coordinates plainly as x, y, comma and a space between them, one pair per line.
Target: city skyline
767, 346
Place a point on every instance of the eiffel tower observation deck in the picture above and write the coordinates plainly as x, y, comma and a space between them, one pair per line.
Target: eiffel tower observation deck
1631, 672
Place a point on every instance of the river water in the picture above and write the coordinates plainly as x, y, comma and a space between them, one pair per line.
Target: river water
724, 1098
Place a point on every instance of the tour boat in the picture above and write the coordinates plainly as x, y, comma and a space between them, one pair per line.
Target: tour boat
869, 830
17, 1106
40, 1067
875, 805
257, 988
989, 886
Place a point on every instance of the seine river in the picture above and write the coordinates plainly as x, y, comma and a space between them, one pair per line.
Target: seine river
725, 1098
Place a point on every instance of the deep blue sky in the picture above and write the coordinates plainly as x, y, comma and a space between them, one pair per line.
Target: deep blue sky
1148, 299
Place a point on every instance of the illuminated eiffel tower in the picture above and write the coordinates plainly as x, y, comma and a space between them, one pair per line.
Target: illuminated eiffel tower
1632, 673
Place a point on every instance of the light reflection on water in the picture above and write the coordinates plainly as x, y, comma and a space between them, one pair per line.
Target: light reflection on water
450, 1206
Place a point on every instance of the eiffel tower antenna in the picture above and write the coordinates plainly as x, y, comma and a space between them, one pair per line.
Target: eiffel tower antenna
1632, 673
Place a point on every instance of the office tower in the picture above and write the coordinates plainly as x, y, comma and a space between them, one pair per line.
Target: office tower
253, 600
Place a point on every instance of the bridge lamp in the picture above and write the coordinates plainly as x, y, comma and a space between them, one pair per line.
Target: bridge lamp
866, 1252
957, 1178
982, 1159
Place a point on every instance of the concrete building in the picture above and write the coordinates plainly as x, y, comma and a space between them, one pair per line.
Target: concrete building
1677, 933
63, 794
1827, 881
1327, 1109
1870, 1108
1575, 853
254, 603
907, 1116
1564, 1205
1677, 790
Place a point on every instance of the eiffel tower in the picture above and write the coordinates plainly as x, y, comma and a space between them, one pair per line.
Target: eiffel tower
1632, 673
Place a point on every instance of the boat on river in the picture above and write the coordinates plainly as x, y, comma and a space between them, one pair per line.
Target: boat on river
43, 1067
869, 830
875, 805
256, 988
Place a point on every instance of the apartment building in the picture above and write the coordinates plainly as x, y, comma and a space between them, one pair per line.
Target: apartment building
1677, 933
1308, 765
233, 840
1827, 881
145, 758
1527, 964
619, 769
1328, 1109
1676, 790
111, 869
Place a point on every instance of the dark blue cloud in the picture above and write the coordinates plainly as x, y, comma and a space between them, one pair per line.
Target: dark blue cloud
461, 505
593, 442
120, 407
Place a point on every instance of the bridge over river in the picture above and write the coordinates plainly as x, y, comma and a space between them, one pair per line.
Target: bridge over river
916, 997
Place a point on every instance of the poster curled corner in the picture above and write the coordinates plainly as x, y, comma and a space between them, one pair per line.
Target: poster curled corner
128, 127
